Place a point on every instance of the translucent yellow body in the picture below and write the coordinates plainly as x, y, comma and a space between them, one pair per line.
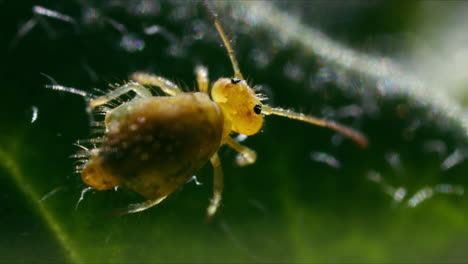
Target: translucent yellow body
153, 145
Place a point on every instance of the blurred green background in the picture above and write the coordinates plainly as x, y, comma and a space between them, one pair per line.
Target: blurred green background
289, 206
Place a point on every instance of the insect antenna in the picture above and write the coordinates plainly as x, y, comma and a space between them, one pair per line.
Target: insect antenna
227, 44
354, 135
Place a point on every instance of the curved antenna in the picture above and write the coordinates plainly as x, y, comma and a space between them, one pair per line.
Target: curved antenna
227, 44
354, 135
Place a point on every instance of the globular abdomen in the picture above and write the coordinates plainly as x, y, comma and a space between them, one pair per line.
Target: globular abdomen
153, 145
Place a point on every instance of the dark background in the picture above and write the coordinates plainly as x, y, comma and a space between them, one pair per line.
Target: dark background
286, 207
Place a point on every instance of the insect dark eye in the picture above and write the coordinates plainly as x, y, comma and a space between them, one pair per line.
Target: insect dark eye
257, 109
235, 80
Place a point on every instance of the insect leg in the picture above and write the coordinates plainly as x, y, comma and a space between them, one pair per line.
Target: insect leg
217, 186
202, 78
131, 86
167, 86
138, 207
246, 155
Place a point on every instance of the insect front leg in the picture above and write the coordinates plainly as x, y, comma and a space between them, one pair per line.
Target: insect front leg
167, 86
218, 185
131, 86
246, 155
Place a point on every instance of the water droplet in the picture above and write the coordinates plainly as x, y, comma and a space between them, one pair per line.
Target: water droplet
131, 43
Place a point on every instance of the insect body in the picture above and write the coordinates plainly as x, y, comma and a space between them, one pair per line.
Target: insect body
154, 144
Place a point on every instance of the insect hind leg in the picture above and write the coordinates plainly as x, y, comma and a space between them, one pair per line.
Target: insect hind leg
137, 207
87, 96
